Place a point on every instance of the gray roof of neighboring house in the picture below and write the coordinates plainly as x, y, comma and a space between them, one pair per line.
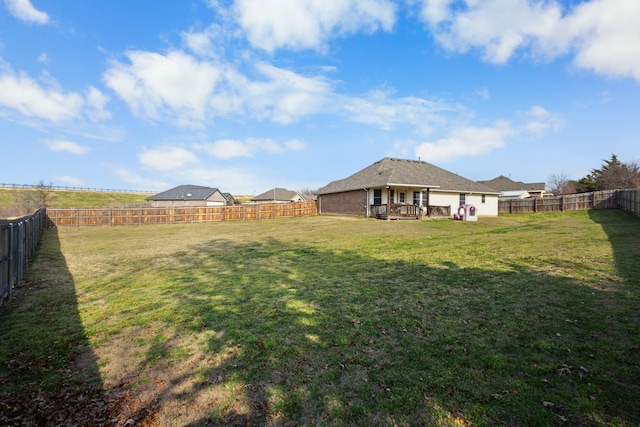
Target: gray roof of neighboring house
184, 192
513, 194
390, 171
281, 194
502, 183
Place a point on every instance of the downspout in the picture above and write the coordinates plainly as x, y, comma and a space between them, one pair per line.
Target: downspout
388, 203
366, 205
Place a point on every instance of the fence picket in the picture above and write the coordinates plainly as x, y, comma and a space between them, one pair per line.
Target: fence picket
627, 200
18, 240
175, 215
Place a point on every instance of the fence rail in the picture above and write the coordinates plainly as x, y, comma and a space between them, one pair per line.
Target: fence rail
86, 217
18, 240
69, 188
627, 200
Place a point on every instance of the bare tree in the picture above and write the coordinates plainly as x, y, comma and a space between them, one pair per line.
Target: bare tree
39, 196
307, 190
559, 183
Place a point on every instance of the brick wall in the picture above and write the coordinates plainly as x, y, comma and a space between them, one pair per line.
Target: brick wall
346, 203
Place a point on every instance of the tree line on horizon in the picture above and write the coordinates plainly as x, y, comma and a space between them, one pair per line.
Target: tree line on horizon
612, 175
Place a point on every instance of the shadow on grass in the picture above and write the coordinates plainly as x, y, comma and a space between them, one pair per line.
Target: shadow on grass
297, 335
623, 232
48, 373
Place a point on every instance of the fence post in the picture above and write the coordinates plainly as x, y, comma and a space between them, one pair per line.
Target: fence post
10, 269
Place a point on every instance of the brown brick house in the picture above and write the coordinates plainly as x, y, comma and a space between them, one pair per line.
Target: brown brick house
400, 188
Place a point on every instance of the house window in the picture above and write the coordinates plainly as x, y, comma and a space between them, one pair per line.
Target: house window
416, 198
377, 197
483, 198
401, 197
463, 199
392, 196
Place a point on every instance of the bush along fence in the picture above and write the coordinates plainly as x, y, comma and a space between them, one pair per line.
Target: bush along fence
627, 200
175, 215
18, 240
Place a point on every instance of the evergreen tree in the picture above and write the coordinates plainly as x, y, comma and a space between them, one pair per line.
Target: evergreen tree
612, 175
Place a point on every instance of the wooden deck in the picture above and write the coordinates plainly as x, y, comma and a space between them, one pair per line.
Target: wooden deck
394, 211
404, 211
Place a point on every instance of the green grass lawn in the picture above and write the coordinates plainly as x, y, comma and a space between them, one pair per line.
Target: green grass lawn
524, 320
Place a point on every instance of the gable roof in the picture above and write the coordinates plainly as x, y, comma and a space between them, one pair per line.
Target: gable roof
502, 183
182, 192
281, 194
408, 173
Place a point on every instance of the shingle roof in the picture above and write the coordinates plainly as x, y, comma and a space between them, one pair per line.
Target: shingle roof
514, 193
281, 194
182, 192
399, 172
502, 183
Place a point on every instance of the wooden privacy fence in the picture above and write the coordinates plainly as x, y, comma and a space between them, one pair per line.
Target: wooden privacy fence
84, 217
627, 200
18, 240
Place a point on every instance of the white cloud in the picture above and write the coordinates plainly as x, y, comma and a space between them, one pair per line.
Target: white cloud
167, 158
285, 95
199, 43
295, 145
24, 10
66, 146
600, 34
226, 149
190, 92
137, 180
381, 109
155, 85
539, 121
22, 93
96, 102
70, 180
233, 179
497, 27
45, 99
606, 37
308, 24
466, 141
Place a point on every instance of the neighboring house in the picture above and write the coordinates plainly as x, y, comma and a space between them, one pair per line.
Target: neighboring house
279, 195
514, 194
189, 195
399, 188
230, 199
502, 184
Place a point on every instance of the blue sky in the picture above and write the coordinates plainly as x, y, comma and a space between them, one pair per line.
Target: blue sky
246, 95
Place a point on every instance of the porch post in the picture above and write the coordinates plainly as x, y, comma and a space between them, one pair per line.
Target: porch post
428, 213
366, 204
388, 203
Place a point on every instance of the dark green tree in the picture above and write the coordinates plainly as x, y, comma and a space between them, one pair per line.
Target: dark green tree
612, 175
